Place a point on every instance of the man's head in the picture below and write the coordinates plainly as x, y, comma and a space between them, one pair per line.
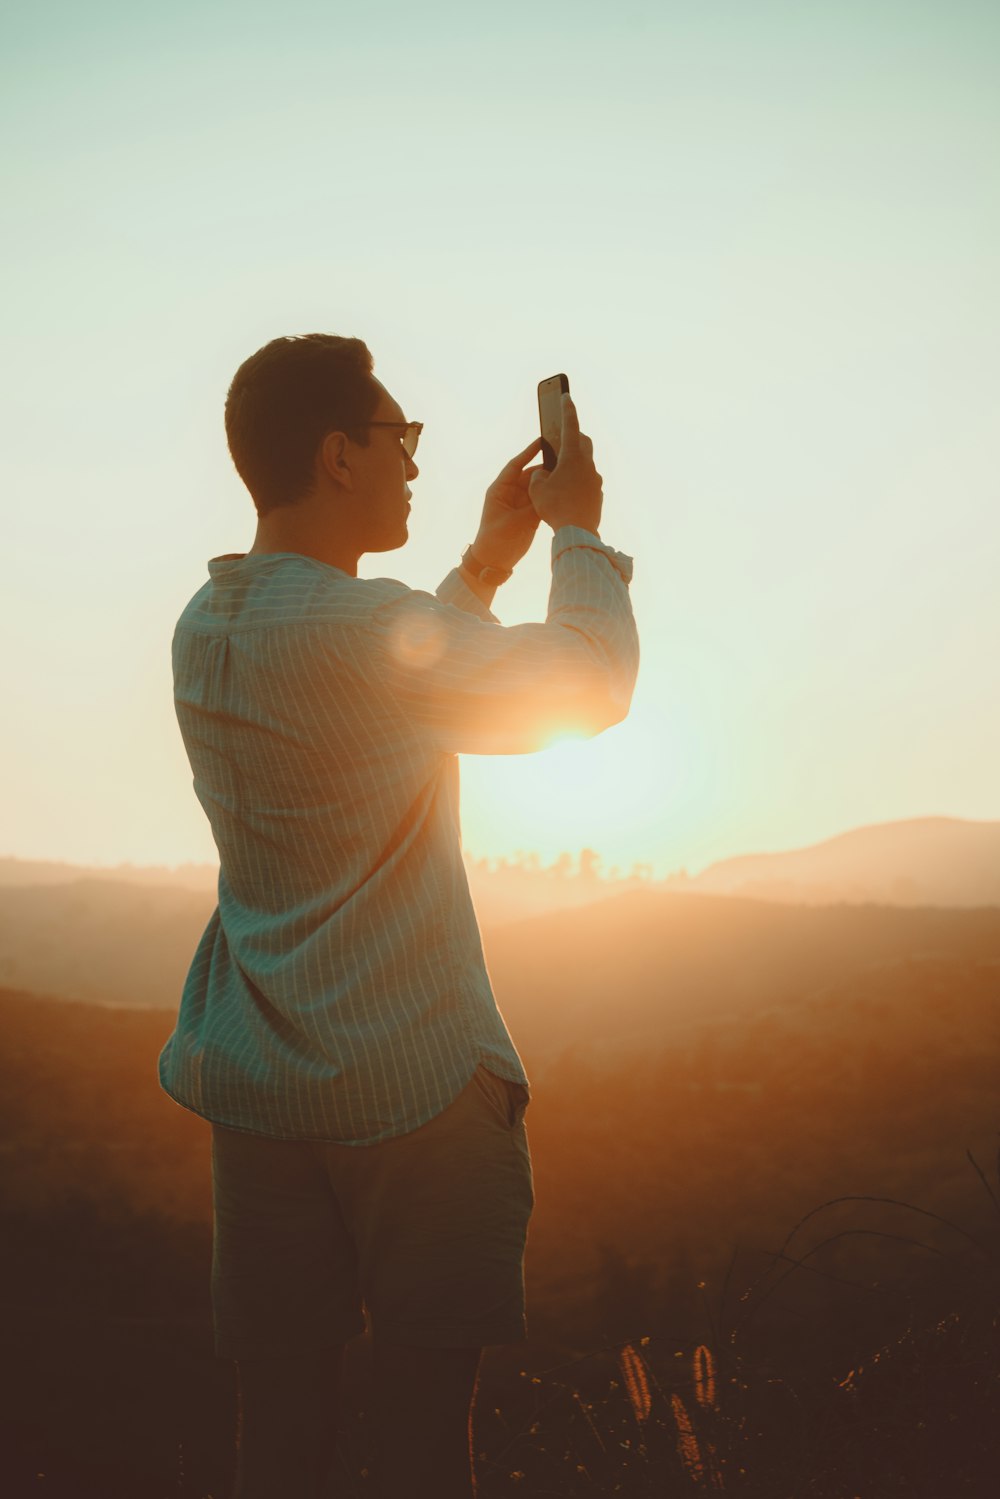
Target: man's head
302, 419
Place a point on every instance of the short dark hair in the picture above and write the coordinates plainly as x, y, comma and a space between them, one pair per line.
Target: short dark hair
284, 400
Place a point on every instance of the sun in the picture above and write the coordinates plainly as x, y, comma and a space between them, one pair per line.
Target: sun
563, 736
629, 793
577, 791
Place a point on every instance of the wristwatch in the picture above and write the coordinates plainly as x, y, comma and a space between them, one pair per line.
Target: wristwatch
490, 575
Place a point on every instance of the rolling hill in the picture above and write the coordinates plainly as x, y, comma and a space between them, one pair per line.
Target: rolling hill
925, 861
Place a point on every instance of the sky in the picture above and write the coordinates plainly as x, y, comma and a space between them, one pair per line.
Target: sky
761, 240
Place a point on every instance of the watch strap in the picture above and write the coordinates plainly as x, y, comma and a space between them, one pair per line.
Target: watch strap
490, 575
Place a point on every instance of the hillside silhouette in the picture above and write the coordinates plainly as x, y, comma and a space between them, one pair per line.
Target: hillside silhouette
129, 941
621, 977
926, 861
706, 1073
923, 861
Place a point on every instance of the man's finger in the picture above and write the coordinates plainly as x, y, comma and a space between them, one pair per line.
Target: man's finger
516, 464
570, 423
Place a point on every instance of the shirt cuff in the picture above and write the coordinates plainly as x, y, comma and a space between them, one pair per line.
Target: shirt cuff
454, 590
575, 536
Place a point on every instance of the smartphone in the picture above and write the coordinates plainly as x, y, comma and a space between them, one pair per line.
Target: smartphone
550, 393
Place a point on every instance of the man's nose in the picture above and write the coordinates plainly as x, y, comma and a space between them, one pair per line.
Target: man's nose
411, 468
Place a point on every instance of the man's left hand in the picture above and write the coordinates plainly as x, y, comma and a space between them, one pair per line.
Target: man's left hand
509, 521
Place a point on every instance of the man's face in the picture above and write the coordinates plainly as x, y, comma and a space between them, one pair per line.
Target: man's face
383, 473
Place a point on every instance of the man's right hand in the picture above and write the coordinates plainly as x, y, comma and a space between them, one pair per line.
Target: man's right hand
569, 494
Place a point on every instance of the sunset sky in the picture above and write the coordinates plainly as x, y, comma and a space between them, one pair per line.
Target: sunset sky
761, 239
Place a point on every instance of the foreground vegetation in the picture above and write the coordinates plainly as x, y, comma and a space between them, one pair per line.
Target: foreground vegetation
812, 1379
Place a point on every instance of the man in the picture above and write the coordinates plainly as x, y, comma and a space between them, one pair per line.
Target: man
337, 1026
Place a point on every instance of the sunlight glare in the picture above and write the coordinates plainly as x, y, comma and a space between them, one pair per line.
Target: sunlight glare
580, 791
563, 736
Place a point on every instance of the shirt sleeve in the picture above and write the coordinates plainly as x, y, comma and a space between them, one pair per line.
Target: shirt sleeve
475, 686
455, 590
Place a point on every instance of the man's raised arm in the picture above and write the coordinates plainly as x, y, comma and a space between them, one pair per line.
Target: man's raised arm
478, 687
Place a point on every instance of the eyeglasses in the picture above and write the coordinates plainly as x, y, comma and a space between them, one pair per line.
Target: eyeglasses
411, 433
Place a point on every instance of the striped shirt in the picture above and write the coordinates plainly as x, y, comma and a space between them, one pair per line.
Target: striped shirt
339, 991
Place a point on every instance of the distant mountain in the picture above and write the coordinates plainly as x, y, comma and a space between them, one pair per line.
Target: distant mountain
926, 861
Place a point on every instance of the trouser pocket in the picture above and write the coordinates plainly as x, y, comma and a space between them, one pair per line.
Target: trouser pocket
507, 1100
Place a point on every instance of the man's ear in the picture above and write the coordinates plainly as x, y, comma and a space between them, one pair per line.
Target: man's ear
332, 460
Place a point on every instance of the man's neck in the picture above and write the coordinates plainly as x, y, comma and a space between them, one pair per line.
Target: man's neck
284, 530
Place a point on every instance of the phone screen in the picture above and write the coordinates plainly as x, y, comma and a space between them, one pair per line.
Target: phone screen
550, 416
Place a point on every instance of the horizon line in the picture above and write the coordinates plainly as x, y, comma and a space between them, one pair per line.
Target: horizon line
523, 858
